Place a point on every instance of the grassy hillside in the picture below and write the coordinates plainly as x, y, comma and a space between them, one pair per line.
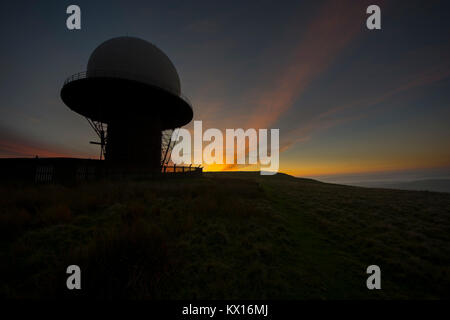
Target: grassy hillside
223, 235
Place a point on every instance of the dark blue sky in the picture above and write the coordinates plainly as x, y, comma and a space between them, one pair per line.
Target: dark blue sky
347, 100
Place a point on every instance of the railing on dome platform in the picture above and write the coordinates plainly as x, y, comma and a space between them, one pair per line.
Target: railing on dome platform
181, 169
125, 75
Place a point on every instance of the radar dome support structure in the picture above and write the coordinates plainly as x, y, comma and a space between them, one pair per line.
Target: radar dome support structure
131, 96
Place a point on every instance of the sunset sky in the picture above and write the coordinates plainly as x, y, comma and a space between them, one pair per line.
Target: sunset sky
350, 103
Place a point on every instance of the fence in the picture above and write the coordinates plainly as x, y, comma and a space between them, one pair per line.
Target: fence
70, 170
182, 169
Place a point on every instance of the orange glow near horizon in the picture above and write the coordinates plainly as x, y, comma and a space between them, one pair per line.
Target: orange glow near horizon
318, 171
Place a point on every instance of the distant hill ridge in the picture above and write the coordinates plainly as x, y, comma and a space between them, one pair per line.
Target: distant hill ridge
438, 185
433, 185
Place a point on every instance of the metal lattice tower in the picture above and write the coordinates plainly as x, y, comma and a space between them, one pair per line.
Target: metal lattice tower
101, 129
167, 144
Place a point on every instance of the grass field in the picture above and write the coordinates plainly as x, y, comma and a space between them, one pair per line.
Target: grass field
223, 236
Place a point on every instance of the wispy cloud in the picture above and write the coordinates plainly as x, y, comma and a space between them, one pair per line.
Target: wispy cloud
332, 30
330, 118
13, 144
328, 33
419, 80
323, 121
